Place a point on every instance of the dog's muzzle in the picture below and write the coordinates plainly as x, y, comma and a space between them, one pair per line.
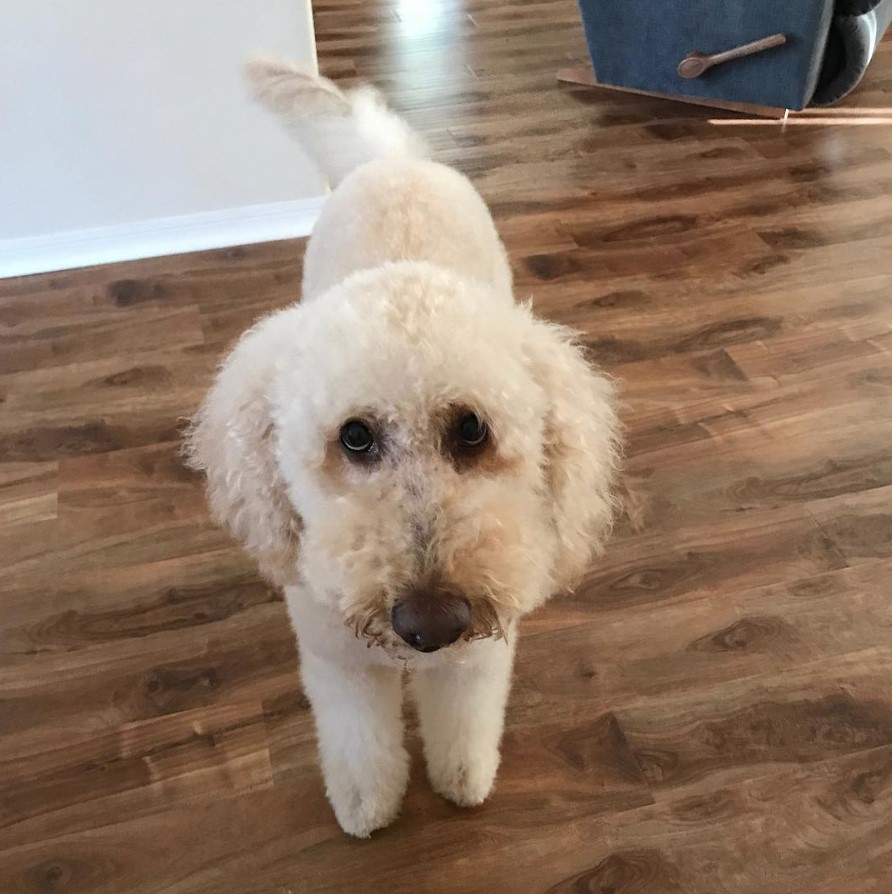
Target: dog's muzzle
430, 619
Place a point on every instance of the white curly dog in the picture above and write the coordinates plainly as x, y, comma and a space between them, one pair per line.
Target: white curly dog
412, 455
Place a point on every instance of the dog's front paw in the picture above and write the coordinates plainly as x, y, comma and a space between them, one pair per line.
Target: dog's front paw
359, 814
465, 779
364, 805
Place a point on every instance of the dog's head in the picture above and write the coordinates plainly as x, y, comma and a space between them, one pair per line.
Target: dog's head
424, 457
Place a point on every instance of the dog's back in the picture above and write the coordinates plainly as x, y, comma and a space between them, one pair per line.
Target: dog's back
391, 204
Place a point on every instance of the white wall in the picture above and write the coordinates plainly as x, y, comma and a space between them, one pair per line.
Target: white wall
116, 112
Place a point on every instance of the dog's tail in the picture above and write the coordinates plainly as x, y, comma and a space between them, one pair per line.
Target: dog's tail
340, 130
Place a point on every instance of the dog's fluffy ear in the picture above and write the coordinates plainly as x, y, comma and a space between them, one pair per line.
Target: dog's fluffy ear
581, 448
233, 440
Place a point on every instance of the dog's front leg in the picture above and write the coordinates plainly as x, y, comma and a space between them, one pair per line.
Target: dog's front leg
461, 709
359, 723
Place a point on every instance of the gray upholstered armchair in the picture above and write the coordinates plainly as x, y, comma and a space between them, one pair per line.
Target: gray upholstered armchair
782, 54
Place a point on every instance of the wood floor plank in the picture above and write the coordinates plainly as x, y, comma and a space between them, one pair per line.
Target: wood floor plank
135, 769
28, 492
671, 649
93, 603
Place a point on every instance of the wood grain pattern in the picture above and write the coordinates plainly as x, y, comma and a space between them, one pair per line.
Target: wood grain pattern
710, 712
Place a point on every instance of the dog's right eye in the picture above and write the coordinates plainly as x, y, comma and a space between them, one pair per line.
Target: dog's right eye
357, 437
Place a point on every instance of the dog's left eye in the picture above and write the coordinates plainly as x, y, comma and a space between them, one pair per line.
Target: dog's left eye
471, 430
357, 437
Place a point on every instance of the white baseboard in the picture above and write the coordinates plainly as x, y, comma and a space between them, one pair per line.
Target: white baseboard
162, 236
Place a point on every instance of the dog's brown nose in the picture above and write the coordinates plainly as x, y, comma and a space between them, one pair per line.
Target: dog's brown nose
427, 621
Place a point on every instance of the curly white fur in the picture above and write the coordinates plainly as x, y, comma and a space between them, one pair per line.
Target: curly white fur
407, 313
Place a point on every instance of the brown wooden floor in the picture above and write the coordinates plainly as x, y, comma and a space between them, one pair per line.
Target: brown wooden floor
712, 712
